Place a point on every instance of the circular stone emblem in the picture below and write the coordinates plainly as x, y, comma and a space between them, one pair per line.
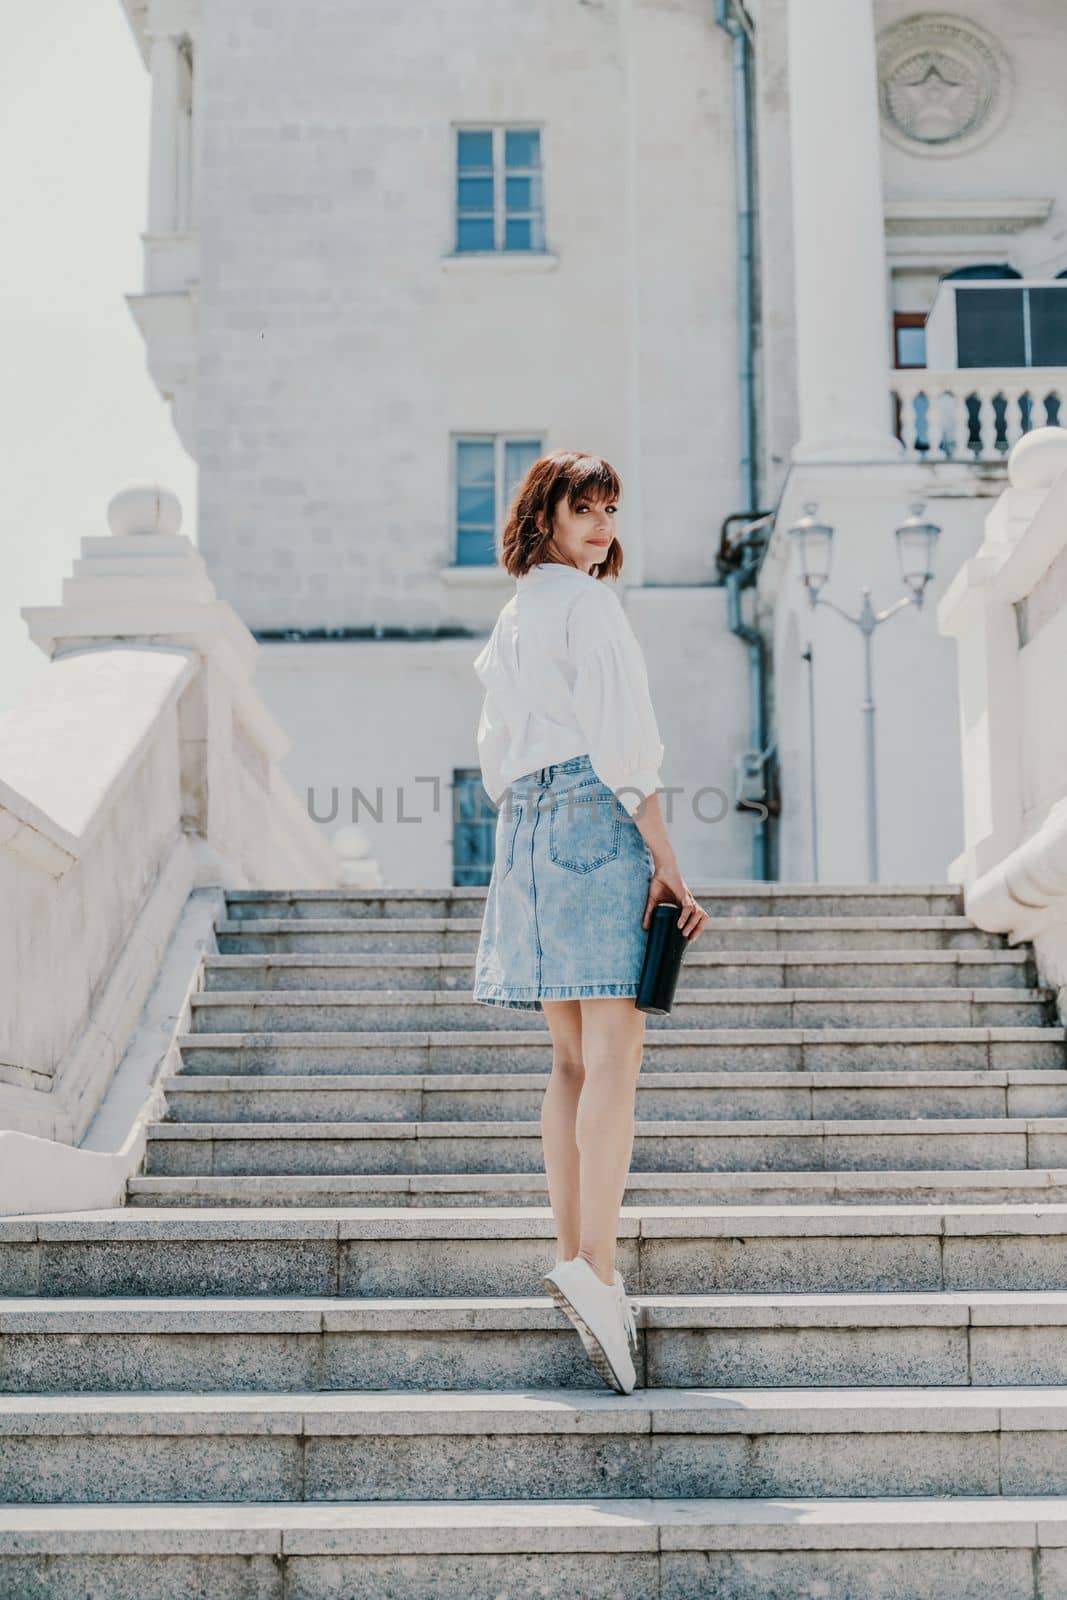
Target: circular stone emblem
942, 84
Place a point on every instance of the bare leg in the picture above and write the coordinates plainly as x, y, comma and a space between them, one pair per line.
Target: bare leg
613, 1037
559, 1111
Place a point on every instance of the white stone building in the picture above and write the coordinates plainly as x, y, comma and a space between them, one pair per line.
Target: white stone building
392, 254
271, 1196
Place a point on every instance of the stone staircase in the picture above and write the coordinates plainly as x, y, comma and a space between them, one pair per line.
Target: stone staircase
311, 1357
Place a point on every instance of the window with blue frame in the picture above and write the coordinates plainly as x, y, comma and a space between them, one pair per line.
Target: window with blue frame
499, 192
474, 829
909, 350
488, 470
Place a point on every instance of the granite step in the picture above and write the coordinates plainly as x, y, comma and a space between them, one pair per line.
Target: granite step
220, 1148
726, 1096
312, 1354
347, 1010
190, 1345
780, 1548
523, 1049
746, 899
450, 1445
368, 935
449, 1189
440, 1251
736, 968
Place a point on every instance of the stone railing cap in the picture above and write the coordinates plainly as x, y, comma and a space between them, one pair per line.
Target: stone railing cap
144, 507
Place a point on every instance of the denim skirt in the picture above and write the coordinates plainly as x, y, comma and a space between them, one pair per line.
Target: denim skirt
566, 895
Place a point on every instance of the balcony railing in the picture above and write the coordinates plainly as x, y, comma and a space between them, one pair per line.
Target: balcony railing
974, 414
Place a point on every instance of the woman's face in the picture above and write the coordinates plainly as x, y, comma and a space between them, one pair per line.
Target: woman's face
583, 535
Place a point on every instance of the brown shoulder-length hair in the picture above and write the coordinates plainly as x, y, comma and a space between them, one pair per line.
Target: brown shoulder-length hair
570, 473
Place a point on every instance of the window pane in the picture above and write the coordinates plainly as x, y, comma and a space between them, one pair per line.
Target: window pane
475, 547
522, 147
474, 147
1048, 327
518, 234
475, 505
474, 462
519, 457
476, 194
911, 347
475, 502
475, 828
474, 233
989, 328
474, 189
520, 194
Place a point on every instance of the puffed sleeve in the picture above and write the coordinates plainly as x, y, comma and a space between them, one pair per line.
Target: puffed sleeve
612, 701
492, 747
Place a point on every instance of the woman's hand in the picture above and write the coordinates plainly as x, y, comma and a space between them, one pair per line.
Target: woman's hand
668, 884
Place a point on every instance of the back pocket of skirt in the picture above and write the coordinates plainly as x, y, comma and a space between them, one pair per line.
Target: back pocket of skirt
584, 834
507, 827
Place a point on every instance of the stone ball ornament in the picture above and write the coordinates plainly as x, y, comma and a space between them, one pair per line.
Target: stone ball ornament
943, 84
142, 508
1038, 459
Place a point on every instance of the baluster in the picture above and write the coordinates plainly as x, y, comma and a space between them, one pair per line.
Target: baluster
906, 397
941, 425
1013, 414
987, 423
959, 426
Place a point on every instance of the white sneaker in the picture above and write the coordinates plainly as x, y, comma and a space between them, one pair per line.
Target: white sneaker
627, 1310
601, 1315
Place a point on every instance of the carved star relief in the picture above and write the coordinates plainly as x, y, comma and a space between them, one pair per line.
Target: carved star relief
943, 81
934, 97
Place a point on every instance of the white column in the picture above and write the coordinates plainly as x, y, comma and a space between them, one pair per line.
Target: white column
185, 167
630, 18
163, 152
843, 331
196, 113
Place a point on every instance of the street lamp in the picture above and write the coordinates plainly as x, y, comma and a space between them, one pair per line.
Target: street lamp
815, 543
916, 541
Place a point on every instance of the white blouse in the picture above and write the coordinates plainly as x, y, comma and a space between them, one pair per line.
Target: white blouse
564, 675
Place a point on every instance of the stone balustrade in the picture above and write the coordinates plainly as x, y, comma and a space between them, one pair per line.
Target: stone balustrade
1007, 610
140, 778
975, 414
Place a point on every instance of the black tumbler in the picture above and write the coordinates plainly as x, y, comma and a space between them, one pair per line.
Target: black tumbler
664, 949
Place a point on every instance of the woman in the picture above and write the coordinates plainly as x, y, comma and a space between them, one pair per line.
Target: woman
570, 754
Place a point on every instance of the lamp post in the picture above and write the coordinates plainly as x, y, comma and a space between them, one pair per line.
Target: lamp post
916, 540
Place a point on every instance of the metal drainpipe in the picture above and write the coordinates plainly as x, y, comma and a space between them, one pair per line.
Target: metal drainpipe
734, 20
730, 15
750, 547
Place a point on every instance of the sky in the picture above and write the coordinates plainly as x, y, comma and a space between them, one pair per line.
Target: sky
79, 415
